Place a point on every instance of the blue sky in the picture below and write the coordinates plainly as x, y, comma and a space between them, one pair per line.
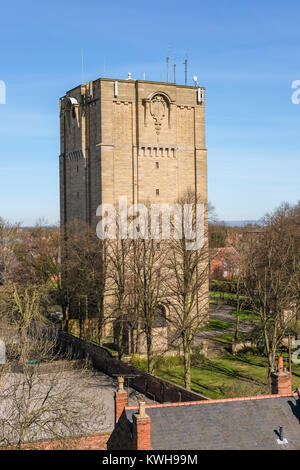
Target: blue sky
246, 54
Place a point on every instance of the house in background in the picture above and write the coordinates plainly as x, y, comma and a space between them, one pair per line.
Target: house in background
224, 263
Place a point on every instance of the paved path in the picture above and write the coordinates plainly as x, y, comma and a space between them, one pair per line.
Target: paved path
221, 313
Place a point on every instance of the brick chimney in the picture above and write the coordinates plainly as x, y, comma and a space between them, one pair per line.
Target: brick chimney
281, 380
141, 429
121, 398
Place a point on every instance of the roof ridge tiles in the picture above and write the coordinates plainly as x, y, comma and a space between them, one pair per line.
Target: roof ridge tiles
220, 400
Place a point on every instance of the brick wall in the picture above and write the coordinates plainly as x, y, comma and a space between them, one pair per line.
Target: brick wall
155, 387
141, 433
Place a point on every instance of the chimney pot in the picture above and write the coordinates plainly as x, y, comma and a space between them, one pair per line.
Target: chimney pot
120, 384
141, 429
142, 410
281, 380
121, 399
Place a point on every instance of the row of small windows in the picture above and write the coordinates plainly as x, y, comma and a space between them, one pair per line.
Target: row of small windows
157, 190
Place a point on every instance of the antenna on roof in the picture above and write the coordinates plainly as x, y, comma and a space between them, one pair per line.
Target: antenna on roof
174, 67
104, 72
185, 67
167, 62
82, 67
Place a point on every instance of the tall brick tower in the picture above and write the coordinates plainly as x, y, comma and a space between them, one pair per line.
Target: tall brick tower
140, 139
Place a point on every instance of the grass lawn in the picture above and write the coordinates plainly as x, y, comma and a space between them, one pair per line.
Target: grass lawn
224, 295
226, 376
215, 325
228, 338
246, 315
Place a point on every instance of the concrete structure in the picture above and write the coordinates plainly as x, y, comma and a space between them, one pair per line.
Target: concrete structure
140, 139
160, 336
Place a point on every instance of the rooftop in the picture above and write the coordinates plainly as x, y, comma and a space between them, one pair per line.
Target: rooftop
248, 423
89, 387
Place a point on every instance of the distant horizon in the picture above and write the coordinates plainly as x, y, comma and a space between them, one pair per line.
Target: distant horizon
47, 223
218, 220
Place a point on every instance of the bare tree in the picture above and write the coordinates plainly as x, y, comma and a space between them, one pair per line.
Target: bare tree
45, 256
8, 260
119, 258
271, 279
234, 260
84, 274
38, 404
187, 283
148, 265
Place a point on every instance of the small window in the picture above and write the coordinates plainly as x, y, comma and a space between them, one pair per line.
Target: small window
158, 246
77, 195
157, 192
157, 164
77, 168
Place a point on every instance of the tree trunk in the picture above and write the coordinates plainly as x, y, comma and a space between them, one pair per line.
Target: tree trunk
138, 337
149, 352
120, 340
186, 362
271, 366
100, 308
237, 323
238, 308
65, 321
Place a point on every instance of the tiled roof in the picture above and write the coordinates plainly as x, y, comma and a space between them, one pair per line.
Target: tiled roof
242, 423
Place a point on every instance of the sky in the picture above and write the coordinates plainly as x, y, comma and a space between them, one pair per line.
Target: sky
246, 53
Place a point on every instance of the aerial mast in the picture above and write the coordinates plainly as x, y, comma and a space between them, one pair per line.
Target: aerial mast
174, 68
185, 68
167, 63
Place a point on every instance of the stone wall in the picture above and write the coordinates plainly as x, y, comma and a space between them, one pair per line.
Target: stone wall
156, 388
140, 139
